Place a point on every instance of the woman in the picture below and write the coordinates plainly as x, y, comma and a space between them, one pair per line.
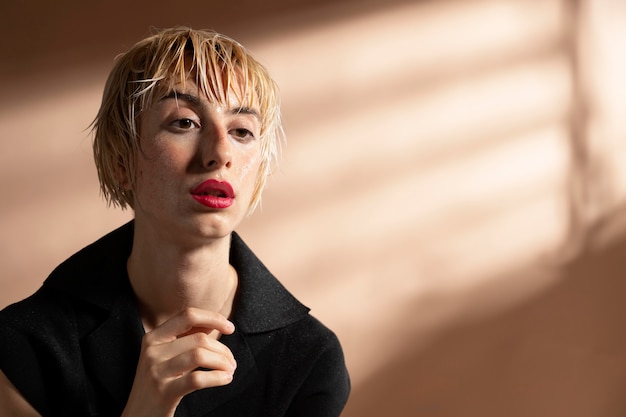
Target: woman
172, 314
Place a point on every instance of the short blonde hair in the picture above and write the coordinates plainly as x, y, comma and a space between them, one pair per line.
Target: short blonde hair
149, 70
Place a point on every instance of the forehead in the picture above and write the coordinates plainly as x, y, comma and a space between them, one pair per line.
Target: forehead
228, 92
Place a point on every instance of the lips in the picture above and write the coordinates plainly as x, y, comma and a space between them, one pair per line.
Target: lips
214, 194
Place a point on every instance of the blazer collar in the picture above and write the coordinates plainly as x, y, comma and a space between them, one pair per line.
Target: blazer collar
111, 332
263, 303
97, 275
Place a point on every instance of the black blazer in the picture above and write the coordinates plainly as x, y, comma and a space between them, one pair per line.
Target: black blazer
72, 348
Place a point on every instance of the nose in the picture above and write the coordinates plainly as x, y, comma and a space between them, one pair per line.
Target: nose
216, 149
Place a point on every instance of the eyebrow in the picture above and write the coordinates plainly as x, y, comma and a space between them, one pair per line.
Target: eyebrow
189, 98
245, 110
195, 100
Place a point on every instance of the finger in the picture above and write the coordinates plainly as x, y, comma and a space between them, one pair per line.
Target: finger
194, 360
203, 340
196, 380
170, 360
187, 320
165, 351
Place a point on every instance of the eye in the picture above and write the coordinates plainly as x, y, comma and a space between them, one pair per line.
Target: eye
242, 134
184, 124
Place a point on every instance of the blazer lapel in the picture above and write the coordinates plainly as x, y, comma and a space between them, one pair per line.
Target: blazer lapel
108, 324
111, 351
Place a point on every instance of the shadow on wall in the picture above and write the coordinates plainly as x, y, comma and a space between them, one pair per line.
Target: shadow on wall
561, 353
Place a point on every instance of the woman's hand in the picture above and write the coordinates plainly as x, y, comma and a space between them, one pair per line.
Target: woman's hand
179, 357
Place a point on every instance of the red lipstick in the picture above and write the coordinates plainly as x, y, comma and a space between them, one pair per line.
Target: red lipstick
214, 194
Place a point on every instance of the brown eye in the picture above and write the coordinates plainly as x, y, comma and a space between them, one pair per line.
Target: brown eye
243, 134
184, 124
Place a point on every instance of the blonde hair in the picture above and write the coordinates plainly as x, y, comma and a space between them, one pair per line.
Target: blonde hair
150, 70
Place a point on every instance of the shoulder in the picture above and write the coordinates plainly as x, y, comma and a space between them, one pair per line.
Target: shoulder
34, 332
90, 269
90, 277
325, 386
85, 275
310, 343
310, 331
303, 361
41, 334
42, 314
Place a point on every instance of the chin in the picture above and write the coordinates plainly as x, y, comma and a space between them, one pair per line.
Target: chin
214, 228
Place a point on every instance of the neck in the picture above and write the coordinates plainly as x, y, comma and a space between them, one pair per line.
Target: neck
167, 278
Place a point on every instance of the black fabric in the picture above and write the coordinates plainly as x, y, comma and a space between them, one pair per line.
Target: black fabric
71, 348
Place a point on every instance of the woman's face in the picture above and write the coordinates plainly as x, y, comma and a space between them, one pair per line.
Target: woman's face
198, 165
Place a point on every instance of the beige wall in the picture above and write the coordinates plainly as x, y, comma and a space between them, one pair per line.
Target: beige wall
448, 202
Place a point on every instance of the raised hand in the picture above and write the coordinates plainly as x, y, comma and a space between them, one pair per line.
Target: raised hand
180, 356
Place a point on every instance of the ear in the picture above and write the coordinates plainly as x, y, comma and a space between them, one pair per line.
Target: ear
121, 177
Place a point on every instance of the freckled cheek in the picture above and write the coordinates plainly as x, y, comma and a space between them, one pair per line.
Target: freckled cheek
248, 172
158, 177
